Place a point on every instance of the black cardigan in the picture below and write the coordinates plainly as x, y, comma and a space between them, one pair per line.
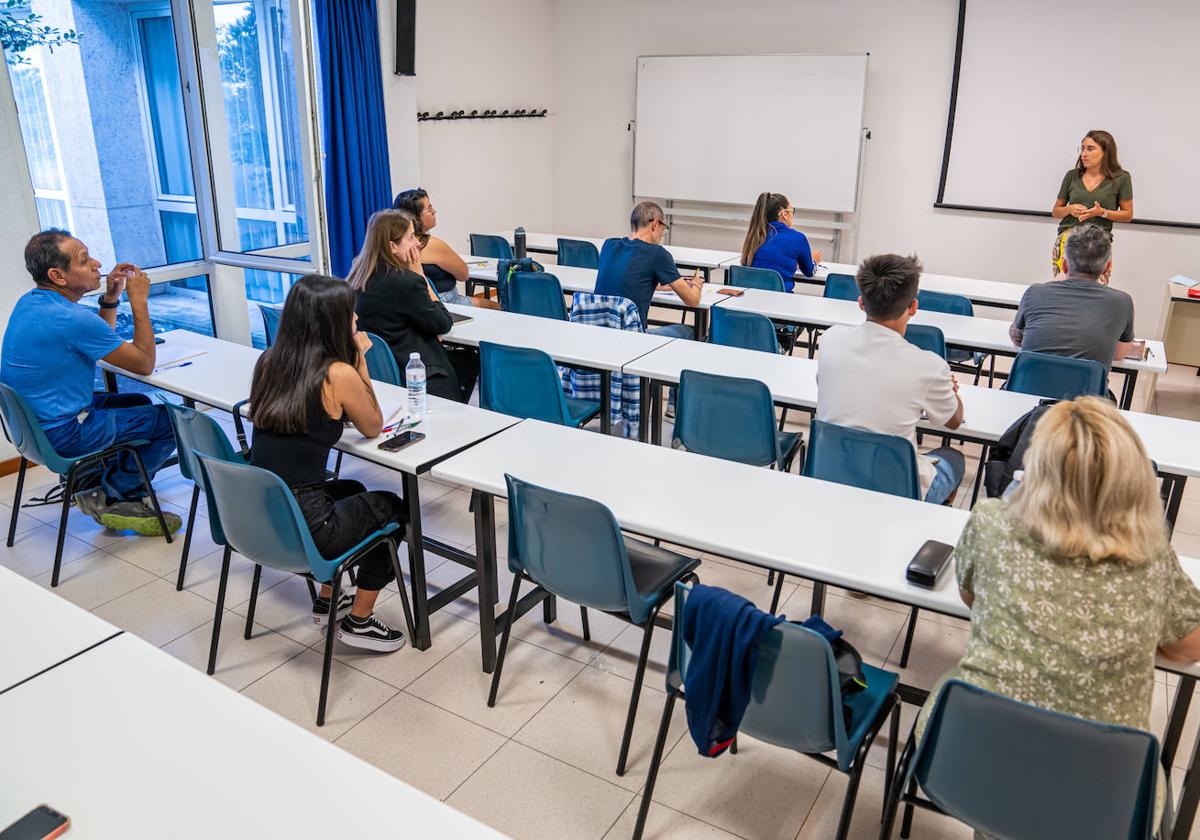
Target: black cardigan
396, 307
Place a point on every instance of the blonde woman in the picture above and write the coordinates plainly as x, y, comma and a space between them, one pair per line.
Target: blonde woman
1071, 580
398, 304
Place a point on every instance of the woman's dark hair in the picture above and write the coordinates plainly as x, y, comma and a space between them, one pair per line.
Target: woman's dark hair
315, 330
766, 210
1110, 166
410, 200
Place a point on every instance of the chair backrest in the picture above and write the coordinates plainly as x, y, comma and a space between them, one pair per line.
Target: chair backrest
872, 461
26, 433
270, 316
926, 337
944, 302
747, 330
841, 287
573, 547
487, 245
578, 253
261, 519
536, 293
726, 417
754, 278
1010, 769
520, 382
1056, 377
196, 434
381, 362
795, 694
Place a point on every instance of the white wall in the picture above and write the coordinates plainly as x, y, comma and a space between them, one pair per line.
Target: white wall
912, 55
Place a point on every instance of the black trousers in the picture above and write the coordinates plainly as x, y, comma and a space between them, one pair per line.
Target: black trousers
460, 383
341, 512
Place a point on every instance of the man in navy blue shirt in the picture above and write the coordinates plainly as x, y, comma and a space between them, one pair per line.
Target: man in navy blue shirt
51, 347
637, 266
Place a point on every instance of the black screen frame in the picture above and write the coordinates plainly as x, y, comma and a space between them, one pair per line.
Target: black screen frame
406, 38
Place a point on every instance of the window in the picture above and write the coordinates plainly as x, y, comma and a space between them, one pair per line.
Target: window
41, 142
266, 288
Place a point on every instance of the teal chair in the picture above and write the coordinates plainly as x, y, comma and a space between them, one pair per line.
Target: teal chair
523, 382
747, 330
578, 253
1010, 769
492, 247
572, 547
733, 419
23, 430
1056, 377
796, 703
536, 293
959, 358
841, 287
927, 338
381, 362
198, 433
769, 280
270, 315
261, 521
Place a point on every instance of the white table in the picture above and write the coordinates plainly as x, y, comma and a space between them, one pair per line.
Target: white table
129, 742
705, 259
221, 378
40, 631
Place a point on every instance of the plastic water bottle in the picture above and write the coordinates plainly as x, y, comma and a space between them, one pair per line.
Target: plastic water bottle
414, 379
519, 243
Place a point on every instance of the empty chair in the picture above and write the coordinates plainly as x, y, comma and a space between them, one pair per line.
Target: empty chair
747, 330
23, 430
197, 433
494, 247
967, 360
926, 337
1056, 377
796, 702
733, 419
572, 547
381, 364
262, 521
523, 382
270, 315
578, 253
536, 293
1009, 769
841, 287
755, 278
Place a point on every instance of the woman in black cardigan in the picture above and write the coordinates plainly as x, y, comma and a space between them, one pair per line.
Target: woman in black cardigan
398, 304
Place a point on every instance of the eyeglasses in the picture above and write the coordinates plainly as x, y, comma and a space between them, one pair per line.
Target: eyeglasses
664, 224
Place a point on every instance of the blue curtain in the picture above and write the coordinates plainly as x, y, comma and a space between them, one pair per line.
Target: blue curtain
357, 177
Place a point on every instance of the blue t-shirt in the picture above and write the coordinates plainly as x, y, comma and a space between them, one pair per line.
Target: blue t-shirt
49, 355
785, 250
631, 268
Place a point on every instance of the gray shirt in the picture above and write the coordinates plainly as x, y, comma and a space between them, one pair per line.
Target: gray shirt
1075, 316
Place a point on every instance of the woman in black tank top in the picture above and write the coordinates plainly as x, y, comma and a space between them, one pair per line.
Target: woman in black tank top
442, 266
306, 386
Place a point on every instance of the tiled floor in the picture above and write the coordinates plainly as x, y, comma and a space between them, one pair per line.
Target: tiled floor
541, 763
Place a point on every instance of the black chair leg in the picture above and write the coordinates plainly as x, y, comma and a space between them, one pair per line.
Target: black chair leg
770, 577
254, 601
894, 792
216, 633
187, 539
312, 588
908, 637
778, 592
843, 829
893, 743
162, 522
733, 746
587, 630
62, 527
906, 820
979, 475
337, 464
660, 744
636, 693
12, 524
782, 418
508, 623
410, 627
330, 634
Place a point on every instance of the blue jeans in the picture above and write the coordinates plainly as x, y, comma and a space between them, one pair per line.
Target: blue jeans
114, 419
673, 331
455, 296
950, 468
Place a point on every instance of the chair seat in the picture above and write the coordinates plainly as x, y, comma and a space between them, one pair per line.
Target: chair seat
788, 441
581, 411
958, 356
655, 569
865, 705
69, 461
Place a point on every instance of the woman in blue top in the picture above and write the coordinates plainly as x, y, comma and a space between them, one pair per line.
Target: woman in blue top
772, 243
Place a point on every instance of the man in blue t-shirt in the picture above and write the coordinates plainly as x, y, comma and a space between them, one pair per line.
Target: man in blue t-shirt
50, 350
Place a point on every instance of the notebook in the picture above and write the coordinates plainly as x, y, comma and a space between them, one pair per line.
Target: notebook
460, 319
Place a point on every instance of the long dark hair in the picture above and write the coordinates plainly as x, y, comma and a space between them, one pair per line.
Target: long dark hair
410, 200
315, 330
1110, 167
766, 210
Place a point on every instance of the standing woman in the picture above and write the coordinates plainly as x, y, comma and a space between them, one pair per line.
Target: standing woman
398, 304
444, 268
772, 242
305, 387
1096, 190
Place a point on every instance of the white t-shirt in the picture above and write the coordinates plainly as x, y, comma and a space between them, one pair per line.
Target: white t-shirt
870, 378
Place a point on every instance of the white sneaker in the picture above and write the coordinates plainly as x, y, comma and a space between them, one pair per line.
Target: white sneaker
369, 634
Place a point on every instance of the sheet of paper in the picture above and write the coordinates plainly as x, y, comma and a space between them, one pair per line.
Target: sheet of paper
1180, 280
171, 355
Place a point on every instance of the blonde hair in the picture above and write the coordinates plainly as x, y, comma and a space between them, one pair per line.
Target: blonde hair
1089, 489
383, 228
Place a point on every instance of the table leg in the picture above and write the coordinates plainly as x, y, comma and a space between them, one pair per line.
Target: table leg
416, 564
485, 557
110, 382
701, 324
1127, 389
644, 386
605, 402
1174, 500
1179, 711
1189, 791
656, 412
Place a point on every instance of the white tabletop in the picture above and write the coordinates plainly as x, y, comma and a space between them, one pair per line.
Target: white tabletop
975, 333
682, 254
40, 630
565, 342
977, 291
129, 742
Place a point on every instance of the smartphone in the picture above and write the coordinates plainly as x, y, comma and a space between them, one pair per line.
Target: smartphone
42, 823
397, 442
732, 291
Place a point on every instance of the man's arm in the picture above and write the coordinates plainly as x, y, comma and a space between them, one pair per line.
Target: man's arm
1014, 334
136, 356
689, 289
113, 287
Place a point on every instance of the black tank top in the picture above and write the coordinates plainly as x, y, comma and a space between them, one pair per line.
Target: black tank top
299, 459
441, 279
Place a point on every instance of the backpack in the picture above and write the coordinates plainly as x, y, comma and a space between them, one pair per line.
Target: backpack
1007, 455
504, 272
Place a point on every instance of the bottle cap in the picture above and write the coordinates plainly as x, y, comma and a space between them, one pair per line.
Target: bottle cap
414, 355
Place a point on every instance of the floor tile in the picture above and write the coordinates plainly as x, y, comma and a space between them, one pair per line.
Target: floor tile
203, 578
399, 669
621, 656
156, 612
33, 551
936, 649
155, 555
95, 579
745, 582
663, 823
240, 661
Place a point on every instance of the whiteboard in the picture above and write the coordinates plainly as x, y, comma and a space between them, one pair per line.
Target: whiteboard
1030, 85
723, 128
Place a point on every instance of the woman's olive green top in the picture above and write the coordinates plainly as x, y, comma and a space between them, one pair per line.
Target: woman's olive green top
1110, 193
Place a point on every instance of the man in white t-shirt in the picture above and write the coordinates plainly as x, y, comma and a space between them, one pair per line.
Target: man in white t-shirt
869, 377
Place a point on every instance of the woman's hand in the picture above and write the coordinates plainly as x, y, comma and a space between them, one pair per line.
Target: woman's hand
412, 258
363, 342
816, 256
1079, 211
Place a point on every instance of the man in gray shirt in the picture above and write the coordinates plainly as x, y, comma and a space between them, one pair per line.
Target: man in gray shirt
1078, 316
